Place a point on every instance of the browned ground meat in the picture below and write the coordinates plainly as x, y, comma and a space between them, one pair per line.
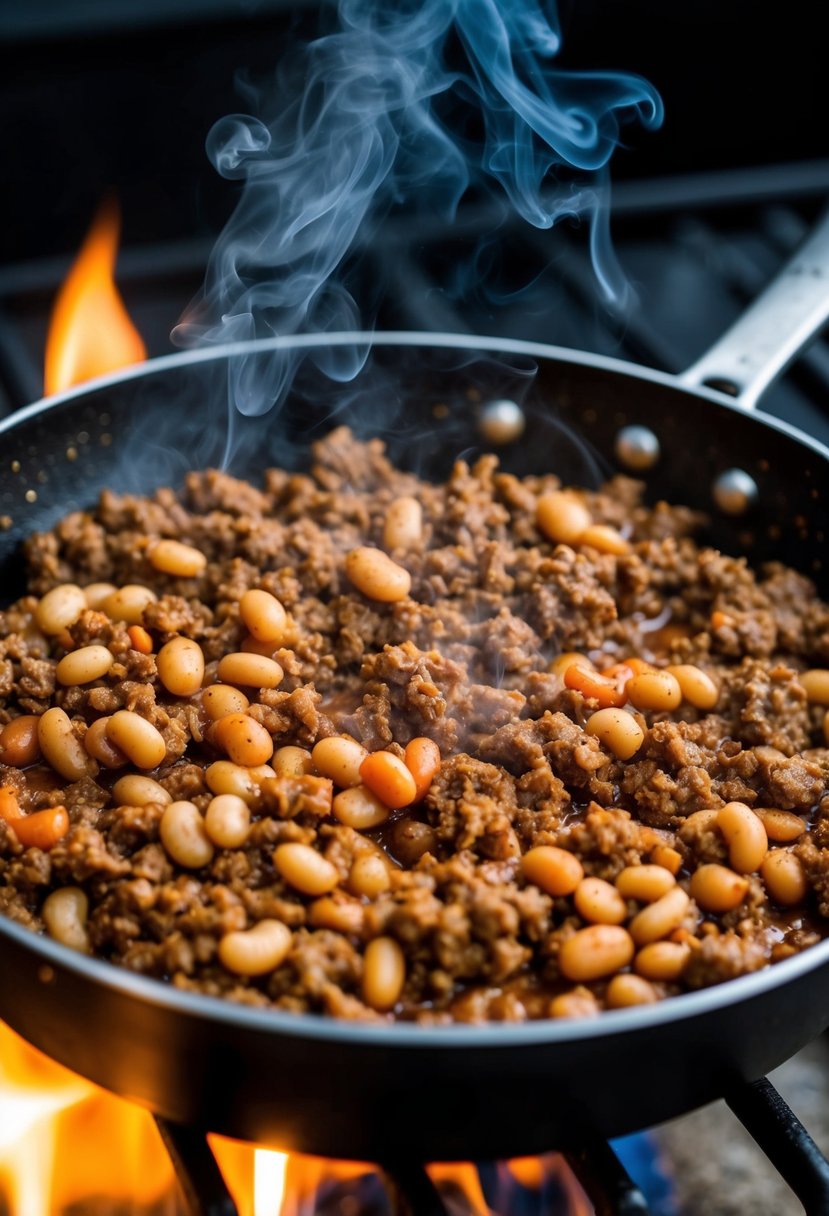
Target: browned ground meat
468, 660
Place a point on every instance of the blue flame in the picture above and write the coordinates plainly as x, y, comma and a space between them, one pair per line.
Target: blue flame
376, 116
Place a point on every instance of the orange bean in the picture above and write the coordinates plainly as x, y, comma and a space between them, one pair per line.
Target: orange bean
667, 858
359, 808
180, 664
745, 836
84, 665
264, 616
617, 730
625, 991
339, 757
369, 876
19, 745
140, 639
698, 689
599, 903
716, 888
221, 699
42, 829
597, 687
605, 539
594, 952
659, 918
180, 560
654, 690
227, 821
662, 960
252, 670
388, 778
784, 877
224, 777
292, 761
562, 517
422, 759
816, 684
384, 973
343, 916
403, 524
376, 576
244, 739
128, 603
645, 884
580, 1003
305, 869
781, 826
9, 806
552, 869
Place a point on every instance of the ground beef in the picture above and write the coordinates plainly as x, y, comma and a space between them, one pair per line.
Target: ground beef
471, 660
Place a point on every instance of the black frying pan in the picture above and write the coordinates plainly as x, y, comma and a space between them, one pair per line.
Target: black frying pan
464, 1092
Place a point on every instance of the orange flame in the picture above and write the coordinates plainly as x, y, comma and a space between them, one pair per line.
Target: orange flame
463, 1176
264, 1182
90, 332
65, 1143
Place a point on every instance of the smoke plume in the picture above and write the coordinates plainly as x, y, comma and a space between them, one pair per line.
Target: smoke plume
408, 104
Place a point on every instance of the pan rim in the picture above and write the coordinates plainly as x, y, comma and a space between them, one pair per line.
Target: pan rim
359, 1034
411, 338
543, 1031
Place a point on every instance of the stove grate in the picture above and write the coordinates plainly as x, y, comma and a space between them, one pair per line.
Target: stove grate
612, 1192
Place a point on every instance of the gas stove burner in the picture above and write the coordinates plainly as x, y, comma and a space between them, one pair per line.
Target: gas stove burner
411, 1191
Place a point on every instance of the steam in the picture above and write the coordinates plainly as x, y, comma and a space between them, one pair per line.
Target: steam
409, 104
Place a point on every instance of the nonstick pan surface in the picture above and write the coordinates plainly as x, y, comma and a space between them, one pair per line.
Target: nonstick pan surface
373, 1092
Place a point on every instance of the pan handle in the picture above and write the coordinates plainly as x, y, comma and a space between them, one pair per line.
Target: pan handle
774, 329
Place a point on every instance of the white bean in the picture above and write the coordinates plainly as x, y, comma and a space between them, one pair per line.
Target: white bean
255, 951
64, 914
227, 821
84, 665
184, 835
61, 747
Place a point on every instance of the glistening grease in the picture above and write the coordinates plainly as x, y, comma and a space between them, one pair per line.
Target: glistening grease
357, 744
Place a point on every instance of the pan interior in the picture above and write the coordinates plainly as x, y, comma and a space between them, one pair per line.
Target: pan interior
424, 398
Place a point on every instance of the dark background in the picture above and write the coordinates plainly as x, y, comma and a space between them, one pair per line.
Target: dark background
121, 93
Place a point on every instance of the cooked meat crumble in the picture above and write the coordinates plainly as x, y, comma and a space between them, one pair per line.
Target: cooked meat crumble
357, 744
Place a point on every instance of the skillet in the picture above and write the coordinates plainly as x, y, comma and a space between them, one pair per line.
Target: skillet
373, 1092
